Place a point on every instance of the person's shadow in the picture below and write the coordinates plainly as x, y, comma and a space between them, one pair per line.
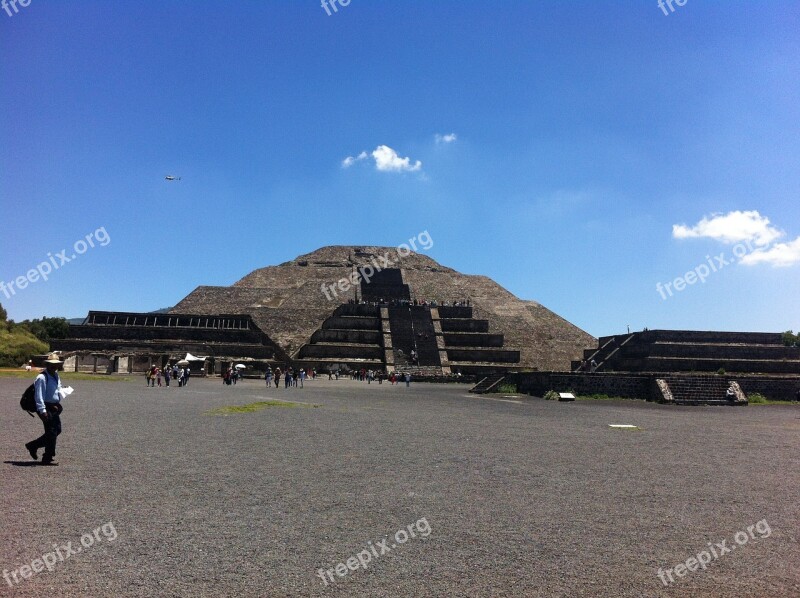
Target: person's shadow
23, 463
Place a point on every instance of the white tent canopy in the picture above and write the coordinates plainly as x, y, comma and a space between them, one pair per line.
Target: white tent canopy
190, 357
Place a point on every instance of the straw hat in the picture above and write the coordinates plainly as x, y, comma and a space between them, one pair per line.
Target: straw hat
53, 358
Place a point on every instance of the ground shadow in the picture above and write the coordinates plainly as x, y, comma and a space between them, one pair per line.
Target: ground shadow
23, 463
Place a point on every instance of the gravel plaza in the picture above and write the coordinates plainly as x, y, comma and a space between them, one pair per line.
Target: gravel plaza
520, 496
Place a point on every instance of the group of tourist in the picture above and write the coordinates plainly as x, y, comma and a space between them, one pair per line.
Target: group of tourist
291, 377
170, 372
370, 376
230, 376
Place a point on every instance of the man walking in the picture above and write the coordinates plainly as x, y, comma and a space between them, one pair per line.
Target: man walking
48, 405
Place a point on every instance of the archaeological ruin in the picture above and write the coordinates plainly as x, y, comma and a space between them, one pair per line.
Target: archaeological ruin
339, 307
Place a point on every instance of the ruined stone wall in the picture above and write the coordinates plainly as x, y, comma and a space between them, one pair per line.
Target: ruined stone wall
642, 386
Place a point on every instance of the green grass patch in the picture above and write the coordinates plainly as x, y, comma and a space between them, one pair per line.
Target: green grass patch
18, 345
757, 398
65, 376
602, 397
257, 406
509, 389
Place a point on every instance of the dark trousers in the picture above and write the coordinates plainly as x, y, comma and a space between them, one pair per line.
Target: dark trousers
52, 428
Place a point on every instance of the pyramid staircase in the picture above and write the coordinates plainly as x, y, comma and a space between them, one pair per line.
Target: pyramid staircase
386, 326
700, 390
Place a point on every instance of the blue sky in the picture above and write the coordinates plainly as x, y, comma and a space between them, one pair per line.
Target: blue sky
600, 149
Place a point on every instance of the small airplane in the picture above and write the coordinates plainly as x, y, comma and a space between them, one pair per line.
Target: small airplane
169, 177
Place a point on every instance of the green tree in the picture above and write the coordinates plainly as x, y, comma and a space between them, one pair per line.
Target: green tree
46, 328
790, 339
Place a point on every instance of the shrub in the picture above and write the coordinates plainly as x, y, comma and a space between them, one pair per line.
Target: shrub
551, 395
721, 372
507, 388
756, 397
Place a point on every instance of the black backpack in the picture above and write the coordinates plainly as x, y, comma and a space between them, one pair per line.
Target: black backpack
28, 400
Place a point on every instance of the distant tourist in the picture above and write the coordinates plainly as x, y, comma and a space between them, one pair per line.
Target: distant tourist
277, 377
158, 376
287, 379
408, 379
187, 372
593, 366
167, 375
268, 377
731, 393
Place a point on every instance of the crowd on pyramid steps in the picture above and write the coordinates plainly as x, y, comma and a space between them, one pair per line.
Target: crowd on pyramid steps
410, 302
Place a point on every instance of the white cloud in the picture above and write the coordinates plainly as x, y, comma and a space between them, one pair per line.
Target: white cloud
730, 228
449, 138
350, 160
387, 160
780, 254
